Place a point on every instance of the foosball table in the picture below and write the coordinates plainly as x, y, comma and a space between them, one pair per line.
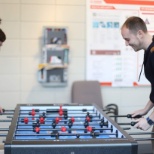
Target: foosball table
65, 129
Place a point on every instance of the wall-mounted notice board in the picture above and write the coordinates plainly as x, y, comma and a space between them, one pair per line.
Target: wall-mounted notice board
109, 60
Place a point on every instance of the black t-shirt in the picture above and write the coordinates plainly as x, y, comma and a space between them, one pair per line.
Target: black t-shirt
149, 68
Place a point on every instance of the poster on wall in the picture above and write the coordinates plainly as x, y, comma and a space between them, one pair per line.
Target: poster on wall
108, 59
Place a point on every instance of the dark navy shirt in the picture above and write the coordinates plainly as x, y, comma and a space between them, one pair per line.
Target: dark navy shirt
149, 68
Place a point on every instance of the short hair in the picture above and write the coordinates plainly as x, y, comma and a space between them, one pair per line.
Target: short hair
2, 36
135, 24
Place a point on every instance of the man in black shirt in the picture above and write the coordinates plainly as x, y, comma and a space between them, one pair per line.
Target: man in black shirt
2, 39
135, 34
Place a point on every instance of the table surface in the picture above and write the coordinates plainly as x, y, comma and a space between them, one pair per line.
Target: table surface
36, 130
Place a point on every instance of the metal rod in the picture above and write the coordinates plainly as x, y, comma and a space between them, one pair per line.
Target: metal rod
5, 120
4, 129
66, 134
10, 117
59, 129
9, 113
50, 116
3, 135
52, 110
143, 139
131, 123
141, 133
127, 116
126, 128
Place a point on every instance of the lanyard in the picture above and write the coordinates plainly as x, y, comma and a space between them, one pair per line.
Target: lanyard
140, 72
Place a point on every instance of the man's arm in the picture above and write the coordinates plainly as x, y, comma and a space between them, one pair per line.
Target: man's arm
145, 110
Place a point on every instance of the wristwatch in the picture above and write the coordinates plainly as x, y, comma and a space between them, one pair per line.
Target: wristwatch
149, 121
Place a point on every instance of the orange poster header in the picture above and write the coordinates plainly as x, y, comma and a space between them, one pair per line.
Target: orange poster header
146, 9
105, 83
102, 7
134, 2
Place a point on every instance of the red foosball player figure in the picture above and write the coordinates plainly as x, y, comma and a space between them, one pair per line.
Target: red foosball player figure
61, 111
37, 130
42, 121
26, 120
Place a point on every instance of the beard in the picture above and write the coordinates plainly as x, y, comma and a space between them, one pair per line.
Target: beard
136, 47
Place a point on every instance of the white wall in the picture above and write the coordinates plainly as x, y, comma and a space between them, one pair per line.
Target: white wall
23, 22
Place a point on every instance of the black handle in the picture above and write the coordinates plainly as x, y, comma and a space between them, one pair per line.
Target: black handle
130, 116
133, 123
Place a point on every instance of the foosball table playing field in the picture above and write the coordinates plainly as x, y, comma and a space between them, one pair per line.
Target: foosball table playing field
65, 129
